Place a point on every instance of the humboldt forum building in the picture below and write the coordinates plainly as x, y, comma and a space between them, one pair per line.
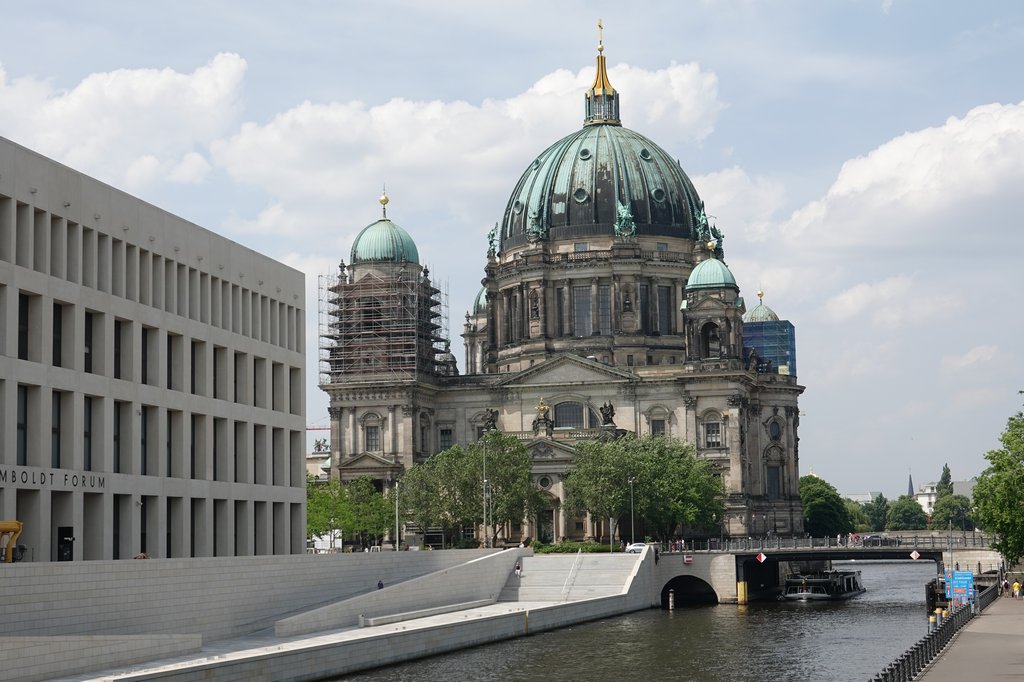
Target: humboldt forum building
606, 304
151, 378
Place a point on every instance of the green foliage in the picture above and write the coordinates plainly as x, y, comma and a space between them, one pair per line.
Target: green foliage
858, 517
569, 547
998, 493
825, 513
513, 495
671, 487
906, 514
328, 511
945, 485
952, 511
371, 513
877, 511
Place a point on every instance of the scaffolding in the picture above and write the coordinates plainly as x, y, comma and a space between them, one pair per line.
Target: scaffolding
775, 343
386, 326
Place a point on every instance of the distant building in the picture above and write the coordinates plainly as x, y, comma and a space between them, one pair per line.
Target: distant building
606, 304
925, 495
862, 498
151, 377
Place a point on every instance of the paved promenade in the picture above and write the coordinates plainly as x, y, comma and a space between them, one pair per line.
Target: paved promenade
991, 647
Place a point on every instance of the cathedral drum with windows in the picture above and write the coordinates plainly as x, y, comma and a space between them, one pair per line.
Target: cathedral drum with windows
606, 304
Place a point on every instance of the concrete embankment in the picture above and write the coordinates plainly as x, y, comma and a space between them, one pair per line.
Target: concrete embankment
989, 647
552, 592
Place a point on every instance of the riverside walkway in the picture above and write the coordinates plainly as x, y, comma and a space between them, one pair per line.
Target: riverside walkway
988, 648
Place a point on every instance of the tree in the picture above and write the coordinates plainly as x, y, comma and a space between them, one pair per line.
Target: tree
371, 514
877, 511
513, 496
997, 494
328, 511
906, 514
858, 517
825, 513
418, 497
459, 487
672, 489
952, 511
945, 485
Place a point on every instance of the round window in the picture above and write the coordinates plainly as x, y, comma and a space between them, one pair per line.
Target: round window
517, 207
544, 482
658, 194
584, 153
580, 195
775, 430
645, 155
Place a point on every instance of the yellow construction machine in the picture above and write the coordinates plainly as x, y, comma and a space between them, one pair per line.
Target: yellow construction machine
9, 531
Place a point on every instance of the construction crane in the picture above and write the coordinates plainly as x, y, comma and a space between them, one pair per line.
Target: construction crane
12, 551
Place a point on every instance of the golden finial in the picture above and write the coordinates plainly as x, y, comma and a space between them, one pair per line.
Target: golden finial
600, 36
760, 294
384, 201
711, 246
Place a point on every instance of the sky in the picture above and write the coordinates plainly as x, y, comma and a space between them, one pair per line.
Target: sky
865, 160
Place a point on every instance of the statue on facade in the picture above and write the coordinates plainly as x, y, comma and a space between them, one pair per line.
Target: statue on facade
534, 229
492, 236
320, 445
625, 226
542, 422
701, 233
490, 419
607, 414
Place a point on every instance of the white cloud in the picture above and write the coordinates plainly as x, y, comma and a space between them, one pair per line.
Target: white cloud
975, 357
892, 302
130, 127
940, 187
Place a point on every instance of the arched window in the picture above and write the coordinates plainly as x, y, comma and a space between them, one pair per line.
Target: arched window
371, 432
710, 343
714, 434
574, 415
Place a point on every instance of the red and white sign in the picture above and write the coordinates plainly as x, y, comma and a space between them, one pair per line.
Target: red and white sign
687, 558
915, 555
761, 557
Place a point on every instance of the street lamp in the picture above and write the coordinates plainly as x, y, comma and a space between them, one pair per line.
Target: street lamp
397, 538
485, 496
632, 530
764, 524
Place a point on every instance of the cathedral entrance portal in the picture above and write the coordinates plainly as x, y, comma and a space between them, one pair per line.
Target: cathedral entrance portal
546, 525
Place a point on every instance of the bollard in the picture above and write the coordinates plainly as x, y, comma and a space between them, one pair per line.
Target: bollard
938, 618
671, 600
931, 624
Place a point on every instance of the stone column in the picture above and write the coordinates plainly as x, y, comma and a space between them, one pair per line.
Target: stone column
567, 307
613, 294
595, 324
652, 284
352, 447
392, 435
542, 309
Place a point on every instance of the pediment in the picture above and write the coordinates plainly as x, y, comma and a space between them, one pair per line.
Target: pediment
367, 460
547, 450
565, 369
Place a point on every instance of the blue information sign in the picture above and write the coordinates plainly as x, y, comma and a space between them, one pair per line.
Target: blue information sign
959, 587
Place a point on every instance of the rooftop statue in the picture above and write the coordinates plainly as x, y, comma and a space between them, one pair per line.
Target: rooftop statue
492, 248
624, 224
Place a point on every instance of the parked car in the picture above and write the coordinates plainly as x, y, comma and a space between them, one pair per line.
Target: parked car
635, 548
881, 541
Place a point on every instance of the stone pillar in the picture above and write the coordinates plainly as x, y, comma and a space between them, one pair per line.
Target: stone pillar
595, 324
392, 435
567, 307
542, 309
656, 301
352, 442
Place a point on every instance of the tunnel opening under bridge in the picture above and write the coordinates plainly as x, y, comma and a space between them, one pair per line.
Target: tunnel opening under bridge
688, 591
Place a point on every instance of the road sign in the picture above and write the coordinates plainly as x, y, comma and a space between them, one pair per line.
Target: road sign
959, 586
761, 557
915, 555
687, 558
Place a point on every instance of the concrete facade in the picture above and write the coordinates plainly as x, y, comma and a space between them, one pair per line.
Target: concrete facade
152, 391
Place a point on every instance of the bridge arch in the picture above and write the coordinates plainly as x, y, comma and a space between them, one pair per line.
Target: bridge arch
689, 591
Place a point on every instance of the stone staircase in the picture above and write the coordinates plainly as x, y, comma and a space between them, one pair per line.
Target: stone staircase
570, 577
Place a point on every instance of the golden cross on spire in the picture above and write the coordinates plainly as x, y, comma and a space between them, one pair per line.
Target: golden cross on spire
600, 36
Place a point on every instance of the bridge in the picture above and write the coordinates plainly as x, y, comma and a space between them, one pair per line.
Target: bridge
742, 570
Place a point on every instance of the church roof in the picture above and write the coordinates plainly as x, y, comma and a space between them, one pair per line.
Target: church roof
711, 274
761, 312
384, 241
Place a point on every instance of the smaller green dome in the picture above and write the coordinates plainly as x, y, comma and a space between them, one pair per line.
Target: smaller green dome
761, 313
711, 274
480, 302
384, 241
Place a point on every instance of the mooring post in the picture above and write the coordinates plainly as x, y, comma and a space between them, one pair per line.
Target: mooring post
671, 600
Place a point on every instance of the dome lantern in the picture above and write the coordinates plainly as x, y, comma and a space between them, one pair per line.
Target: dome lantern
602, 100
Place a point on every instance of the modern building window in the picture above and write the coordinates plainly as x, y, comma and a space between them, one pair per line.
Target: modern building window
444, 438
22, 454
581, 321
604, 309
116, 453
87, 405
144, 441
55, 440
24, 300
657, 427
773, 483
144, 377
712, 434
58, 334
173, 361
372, 432
119, 329
90, 323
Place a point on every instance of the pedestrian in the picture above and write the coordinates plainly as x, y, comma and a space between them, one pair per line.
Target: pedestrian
1004, 588
519, 569
1016, 589
380, 584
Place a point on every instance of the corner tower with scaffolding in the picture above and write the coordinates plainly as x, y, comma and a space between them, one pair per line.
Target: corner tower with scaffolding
382, 350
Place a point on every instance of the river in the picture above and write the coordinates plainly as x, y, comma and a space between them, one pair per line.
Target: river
819, 641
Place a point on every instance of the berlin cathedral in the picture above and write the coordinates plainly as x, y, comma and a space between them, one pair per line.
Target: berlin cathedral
604, 286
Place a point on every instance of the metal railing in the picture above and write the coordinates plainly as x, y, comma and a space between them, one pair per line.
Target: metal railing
956, 542
907, 666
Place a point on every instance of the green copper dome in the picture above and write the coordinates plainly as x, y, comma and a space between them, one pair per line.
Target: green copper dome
598, 176
711, 274
761, 313
480, 302
384, 241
